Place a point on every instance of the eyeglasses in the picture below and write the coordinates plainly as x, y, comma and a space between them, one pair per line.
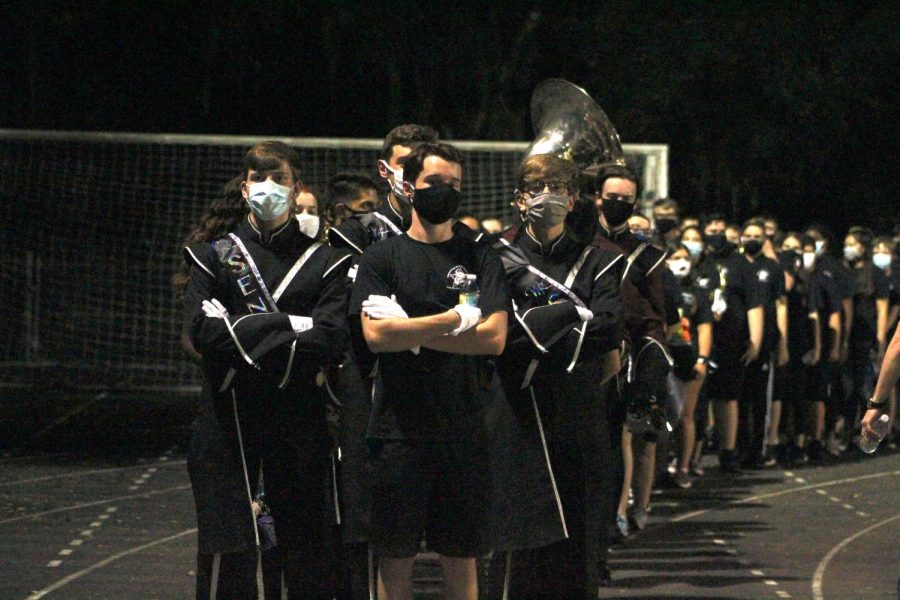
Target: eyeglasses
537, 187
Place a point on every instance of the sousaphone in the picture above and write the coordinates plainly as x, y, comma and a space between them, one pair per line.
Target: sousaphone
569, 124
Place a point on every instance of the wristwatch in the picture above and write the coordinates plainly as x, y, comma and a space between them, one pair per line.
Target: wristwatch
873, 404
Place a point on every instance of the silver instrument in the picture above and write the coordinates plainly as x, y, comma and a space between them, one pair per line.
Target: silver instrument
569, 124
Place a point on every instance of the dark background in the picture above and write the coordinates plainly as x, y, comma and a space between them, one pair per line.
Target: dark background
785, 107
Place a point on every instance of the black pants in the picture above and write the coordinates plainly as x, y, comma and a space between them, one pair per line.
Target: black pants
230, 576
753, 407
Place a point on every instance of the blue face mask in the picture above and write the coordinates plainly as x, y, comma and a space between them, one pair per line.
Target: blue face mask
695, 248
882, 261
268, 200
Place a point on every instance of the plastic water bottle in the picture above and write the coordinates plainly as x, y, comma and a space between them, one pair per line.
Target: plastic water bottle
879, 430
469, 292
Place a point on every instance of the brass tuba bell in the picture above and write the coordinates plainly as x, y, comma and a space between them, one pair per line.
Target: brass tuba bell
569, 124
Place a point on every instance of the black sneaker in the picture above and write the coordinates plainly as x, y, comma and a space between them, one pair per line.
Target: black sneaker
816, 452
728, 462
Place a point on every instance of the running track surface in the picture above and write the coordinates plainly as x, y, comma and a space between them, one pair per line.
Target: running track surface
95, 503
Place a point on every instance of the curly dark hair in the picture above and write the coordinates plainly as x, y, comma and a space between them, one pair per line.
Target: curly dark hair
222, 216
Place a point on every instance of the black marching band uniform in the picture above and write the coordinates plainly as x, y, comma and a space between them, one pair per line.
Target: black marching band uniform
552, 478
263, 407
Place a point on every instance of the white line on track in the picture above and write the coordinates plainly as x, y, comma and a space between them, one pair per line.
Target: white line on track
110, 559
804, 488
85, 473
95, 503
823, 564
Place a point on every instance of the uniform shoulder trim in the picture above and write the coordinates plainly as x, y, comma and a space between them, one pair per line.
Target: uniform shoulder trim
201, 255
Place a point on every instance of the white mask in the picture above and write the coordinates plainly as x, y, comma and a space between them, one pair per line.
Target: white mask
851, 253
695, 248
309, 224
268, 200
397, 186
820, 247
680, 267
882, 261
809, 260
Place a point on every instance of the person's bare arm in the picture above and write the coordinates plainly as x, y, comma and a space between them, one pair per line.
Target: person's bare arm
834, 323
704, 346
781, 318
881, 306
755, 320
488, 337
887, 378
817, 338
397, 335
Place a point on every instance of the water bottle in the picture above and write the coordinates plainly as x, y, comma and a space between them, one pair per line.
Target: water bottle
469, 292
879, 430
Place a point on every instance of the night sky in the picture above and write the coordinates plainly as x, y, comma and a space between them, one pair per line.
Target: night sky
785, 107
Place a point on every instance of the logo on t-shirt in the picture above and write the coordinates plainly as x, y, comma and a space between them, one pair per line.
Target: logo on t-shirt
456, 277
763, 275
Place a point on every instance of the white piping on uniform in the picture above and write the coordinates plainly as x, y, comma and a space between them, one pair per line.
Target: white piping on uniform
200, 264
287, 372
527, 330
507, 575
371, 565
573, 272
334, 491
331, 394
529, 373
537, 414
331, 268
214, 582
662, 348
344, 237
606, 268
237, 342
227, 381
237, 424
662, 258
581, 333
289, 277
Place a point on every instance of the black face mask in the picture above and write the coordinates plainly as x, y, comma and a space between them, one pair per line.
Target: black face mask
437, 203
616, 212
752, 247
716, 241
665, 224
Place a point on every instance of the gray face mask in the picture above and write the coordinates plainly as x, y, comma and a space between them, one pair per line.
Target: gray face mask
547, 210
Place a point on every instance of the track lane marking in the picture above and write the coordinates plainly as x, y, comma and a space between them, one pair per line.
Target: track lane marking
95, 503
86, 473
110, 559
819, 575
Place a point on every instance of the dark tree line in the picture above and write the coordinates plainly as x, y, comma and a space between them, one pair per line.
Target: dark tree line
789, 108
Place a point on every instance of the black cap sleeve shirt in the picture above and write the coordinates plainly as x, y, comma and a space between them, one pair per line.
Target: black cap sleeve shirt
433, 396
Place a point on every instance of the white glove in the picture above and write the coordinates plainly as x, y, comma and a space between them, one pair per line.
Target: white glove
214, 309
300, 324
584, 313
382, 307
719, 304
469, 317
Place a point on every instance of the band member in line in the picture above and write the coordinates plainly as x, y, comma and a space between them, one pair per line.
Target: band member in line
266, 309
361, 219
647, 365
432, 330
557, 370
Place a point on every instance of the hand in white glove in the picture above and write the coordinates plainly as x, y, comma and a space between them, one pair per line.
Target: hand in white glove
719, 304
584, 313
214, 309
469, 317
300, 324
382, 307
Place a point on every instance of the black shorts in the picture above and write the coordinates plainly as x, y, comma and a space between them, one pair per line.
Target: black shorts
725, 381
441, 490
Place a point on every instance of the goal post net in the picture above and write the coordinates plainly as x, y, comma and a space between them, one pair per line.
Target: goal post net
91, 235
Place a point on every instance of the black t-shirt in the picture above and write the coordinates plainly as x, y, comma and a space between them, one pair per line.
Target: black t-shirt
671, 293
824, 298
769, 278
730, 271
433, 395
693, 305
871, 284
